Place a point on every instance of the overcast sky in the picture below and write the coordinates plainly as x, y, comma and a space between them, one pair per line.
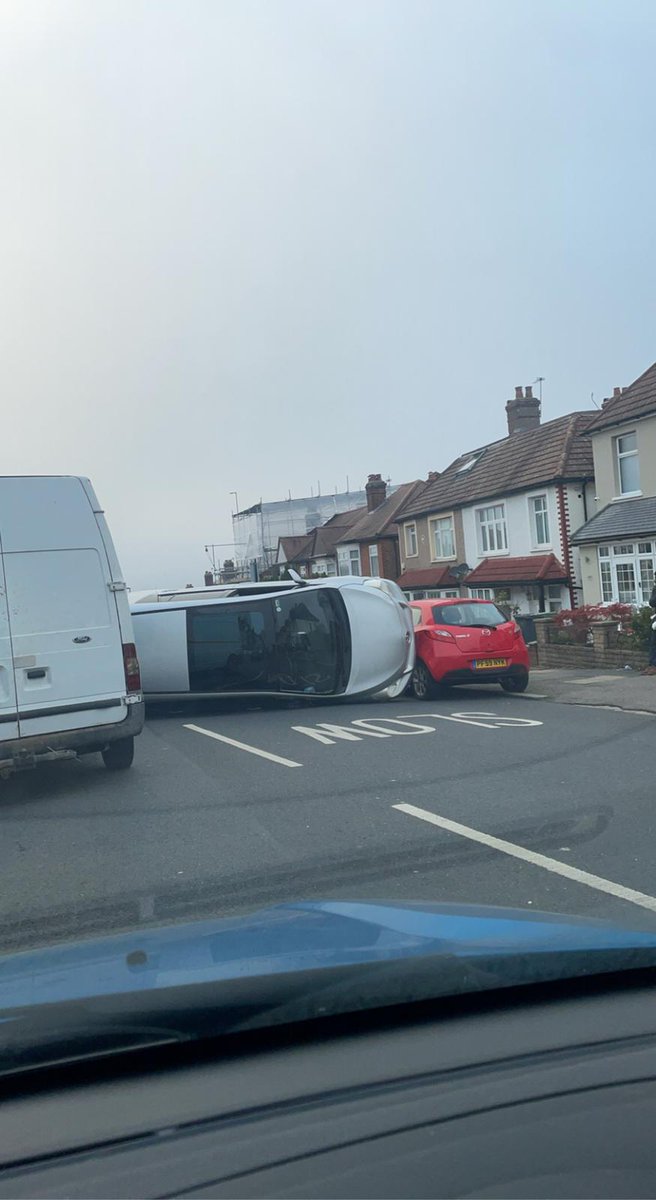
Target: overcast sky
255, 244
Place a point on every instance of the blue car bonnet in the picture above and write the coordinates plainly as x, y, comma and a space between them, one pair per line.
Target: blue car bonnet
291, 938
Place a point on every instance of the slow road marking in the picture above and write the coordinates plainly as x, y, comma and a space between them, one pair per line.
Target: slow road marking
530, 856
220, 737
327, 733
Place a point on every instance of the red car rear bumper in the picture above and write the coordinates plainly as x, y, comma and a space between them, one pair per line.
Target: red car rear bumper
458, 668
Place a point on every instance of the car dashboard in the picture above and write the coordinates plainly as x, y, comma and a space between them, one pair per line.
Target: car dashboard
495, 1096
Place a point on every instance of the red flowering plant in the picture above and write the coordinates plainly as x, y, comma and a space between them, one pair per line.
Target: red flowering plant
575, 624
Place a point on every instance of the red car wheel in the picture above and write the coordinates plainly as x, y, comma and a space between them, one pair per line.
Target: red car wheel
423, 684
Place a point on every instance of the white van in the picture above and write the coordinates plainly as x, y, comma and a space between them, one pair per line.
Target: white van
69, 674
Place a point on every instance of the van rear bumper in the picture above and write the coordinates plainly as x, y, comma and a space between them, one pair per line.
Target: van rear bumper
27, 751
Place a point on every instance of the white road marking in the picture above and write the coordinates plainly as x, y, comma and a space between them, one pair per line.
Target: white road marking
407, 726
461, 720
219, 737
502, 721
530, 856
341, 732
384, 727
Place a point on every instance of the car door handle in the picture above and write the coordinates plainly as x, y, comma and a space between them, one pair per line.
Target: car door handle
83, 638
38, 673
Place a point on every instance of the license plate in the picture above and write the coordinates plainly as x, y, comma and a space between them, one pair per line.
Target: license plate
487, 664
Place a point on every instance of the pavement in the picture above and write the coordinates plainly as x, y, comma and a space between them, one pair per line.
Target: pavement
622, 688
477, 797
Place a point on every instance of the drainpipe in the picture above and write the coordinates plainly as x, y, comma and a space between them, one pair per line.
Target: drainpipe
563, 519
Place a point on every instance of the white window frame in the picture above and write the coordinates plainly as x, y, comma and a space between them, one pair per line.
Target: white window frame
433, 523
373, 553
533, 516
411, 525
481, 593
347, 556
492, 529
642, 562
622, 456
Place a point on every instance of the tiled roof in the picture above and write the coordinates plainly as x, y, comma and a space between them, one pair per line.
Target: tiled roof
429, 577
533, 568
324, 538
381, 521
321, 540
637, 400
553, 451
293, 546
623, 519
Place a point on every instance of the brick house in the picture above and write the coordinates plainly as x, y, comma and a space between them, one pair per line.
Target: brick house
617, 544
497, 522
371, 544
314, 554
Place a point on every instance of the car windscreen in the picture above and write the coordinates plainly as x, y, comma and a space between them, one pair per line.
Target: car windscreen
468, 614
296, 642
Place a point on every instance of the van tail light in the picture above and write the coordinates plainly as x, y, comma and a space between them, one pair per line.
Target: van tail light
131, 666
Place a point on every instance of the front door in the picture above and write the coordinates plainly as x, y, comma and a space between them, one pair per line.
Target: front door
8, 716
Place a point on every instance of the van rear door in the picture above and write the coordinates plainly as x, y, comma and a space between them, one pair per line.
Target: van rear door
65, 632
8, 716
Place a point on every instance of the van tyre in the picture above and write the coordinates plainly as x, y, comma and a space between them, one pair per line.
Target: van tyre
515, 683
423, 684
118, 756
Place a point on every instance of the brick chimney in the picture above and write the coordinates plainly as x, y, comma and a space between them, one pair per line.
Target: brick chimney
523, 412
432, 476
376, 490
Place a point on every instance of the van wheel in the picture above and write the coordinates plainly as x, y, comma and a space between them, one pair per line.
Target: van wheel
119, 755
423, 684
515, 683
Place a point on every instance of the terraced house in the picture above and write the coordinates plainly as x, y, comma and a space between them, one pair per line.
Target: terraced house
617, 544
497, 523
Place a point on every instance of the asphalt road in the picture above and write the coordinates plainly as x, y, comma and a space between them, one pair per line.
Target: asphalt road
539, 805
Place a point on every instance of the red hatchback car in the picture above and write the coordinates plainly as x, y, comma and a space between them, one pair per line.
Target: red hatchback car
466, 641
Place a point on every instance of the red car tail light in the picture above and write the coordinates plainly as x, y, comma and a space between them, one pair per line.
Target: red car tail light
131, 667
440, 635
516, 630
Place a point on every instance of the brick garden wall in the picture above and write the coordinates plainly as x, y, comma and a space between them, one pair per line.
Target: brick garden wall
599, 654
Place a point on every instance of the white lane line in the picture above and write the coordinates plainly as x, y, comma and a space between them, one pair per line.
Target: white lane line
284, 762
537, 860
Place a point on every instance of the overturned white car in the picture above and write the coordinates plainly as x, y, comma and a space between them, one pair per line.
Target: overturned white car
342, 636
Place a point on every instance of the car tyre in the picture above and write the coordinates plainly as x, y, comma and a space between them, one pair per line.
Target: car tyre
118, 756
423, 684
515, 683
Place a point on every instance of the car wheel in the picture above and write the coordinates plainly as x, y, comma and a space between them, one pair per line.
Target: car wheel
423, 684
118, 756
515, 683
